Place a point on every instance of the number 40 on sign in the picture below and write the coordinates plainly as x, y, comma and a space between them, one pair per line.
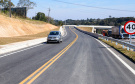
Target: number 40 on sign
129, 27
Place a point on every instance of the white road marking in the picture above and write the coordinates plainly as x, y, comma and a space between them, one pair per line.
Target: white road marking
20, 51
130, 68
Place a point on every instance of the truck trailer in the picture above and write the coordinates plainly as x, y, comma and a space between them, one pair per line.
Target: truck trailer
118, 32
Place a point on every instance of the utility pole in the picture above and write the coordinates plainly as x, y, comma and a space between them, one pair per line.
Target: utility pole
35, 16
65, 22
9, 8
0, 8
49, 15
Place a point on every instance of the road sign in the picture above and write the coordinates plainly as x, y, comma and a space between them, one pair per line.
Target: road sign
129, 27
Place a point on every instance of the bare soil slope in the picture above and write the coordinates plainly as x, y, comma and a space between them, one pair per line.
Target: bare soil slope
88, 29
11, 27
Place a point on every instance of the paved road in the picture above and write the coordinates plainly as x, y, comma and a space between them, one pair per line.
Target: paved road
84, 61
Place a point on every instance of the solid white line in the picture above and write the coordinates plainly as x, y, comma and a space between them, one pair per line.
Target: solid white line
20, 50
131, 69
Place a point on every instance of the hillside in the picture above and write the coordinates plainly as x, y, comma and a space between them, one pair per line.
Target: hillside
11, 27
111, 21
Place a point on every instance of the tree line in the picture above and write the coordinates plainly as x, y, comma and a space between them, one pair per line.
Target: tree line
111, 21
42, 17
29, 5
5, 4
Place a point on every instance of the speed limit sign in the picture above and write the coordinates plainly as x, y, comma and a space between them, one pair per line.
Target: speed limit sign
129, 27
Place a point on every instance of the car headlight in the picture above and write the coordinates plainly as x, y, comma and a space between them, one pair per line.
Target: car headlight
57, 37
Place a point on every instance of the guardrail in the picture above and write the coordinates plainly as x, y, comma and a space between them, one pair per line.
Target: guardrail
123, 43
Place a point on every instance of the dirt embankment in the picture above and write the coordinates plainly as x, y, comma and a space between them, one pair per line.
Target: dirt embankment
11, 27
88, 29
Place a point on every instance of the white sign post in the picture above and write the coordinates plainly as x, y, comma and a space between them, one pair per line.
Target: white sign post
129, 28
130, 40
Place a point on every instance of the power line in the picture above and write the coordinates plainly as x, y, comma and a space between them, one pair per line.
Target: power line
92, 6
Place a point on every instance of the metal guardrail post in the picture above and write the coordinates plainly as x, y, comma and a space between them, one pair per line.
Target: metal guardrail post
128, 48
123, 46
116, 43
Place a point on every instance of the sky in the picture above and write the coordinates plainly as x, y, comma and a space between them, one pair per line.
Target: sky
63, 11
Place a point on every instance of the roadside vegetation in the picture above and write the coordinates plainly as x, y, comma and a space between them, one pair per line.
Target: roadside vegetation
110, 21
130, 54
23, 3
7, 40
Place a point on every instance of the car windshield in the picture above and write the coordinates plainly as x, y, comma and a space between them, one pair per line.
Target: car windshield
54, 33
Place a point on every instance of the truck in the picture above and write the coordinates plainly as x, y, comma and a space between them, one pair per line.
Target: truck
118, 32
107, 32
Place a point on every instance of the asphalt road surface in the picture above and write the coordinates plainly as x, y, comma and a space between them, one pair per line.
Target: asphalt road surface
82, 60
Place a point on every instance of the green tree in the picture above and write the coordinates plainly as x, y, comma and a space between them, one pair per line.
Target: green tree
40, 16
1, 1
26, 3
5, 3
60, 23
51, 20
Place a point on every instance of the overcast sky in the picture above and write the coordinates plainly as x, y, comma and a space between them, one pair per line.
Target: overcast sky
62, 11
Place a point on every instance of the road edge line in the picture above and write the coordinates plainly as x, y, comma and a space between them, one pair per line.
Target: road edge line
123, 62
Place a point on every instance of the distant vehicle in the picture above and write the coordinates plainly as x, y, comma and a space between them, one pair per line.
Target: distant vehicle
107, 32
104, 32
54, 36
118, 32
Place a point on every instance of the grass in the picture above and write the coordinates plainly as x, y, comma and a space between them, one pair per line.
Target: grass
23, 19
88, 29
130, 54
7, 40
29, 20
